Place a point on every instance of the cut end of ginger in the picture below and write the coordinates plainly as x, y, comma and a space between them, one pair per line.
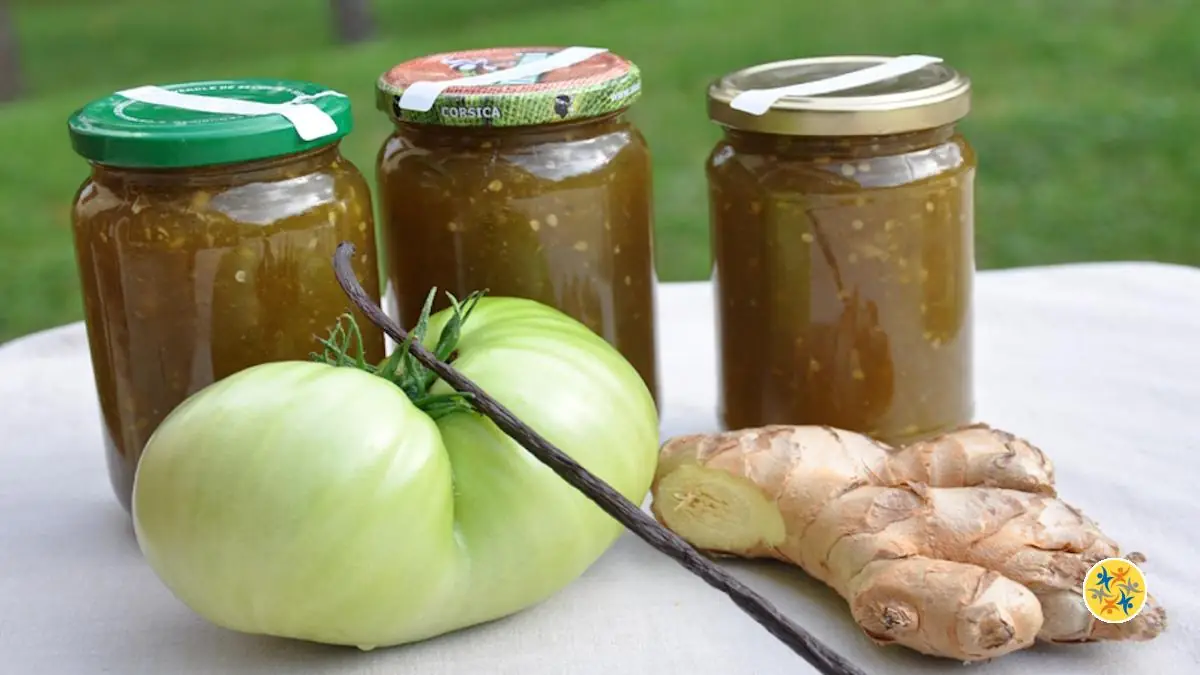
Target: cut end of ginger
718, 512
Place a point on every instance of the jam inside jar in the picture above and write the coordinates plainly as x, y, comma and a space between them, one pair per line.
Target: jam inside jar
844, 265
538, 188
199, 259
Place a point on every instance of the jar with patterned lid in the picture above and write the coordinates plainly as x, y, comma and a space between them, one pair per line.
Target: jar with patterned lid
517, 171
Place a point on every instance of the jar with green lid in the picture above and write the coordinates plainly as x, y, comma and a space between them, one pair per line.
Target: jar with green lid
517, 172
204, 238
842, 216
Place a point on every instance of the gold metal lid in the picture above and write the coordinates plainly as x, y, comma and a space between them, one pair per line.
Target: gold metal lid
841, 96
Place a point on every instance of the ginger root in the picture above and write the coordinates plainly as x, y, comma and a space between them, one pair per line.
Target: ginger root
955, 547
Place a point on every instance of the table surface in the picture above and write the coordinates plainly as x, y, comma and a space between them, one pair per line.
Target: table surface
1099, 364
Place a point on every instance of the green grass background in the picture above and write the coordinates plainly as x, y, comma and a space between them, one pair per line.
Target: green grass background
1086, 117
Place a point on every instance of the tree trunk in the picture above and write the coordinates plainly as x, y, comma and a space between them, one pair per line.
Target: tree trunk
352, 20
11, 84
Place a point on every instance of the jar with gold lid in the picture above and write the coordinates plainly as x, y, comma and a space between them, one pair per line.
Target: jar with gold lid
842, 222
204, 236
517, 171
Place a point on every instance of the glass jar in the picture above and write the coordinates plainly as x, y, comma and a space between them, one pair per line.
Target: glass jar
843, 228
204, 238
530, 183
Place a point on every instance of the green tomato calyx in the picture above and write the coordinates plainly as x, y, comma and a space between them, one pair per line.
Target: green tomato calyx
344, 349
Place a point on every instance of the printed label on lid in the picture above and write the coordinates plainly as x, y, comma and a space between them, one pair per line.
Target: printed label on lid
509, 86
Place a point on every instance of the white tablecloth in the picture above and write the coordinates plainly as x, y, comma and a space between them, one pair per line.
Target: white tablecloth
1098, 364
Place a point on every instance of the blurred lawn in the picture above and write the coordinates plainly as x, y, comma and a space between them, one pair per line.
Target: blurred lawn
1085, 110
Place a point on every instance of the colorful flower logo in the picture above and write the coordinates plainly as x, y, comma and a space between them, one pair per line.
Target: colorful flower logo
1114, 590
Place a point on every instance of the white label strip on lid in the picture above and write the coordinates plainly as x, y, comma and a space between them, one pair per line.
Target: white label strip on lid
310, 121
420, 96
759, 101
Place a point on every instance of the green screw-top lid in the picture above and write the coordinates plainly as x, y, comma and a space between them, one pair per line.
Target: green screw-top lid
204, 123
508, 86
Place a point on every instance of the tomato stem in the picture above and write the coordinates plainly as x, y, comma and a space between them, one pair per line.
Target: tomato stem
344, 349
820, 656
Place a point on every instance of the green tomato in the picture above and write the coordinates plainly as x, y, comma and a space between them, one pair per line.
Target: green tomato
314, 502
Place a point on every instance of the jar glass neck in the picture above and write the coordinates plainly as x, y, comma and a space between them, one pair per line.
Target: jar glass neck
474, 137
838, 147
222, 174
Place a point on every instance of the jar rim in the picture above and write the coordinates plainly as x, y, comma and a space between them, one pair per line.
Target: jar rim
841, 96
